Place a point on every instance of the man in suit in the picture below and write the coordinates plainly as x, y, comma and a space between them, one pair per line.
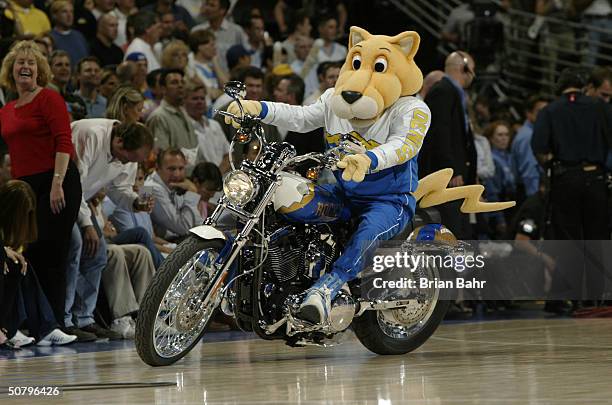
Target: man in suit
450, 142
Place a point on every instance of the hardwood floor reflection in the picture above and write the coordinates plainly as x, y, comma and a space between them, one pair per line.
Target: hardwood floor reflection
511, 362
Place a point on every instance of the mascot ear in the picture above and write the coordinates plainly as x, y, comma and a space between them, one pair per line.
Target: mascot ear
408, 41
357, 35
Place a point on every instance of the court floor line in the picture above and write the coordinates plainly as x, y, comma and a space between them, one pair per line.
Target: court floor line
519, 343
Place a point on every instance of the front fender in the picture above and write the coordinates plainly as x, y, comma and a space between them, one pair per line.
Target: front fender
207, 232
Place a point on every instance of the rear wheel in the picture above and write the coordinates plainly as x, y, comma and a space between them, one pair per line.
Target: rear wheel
172, 316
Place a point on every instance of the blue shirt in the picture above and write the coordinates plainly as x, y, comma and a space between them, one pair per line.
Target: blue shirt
123, 219
72, 42
503, 182
526, 166
95, 109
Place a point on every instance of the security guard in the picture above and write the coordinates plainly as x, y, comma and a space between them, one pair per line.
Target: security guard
571, 136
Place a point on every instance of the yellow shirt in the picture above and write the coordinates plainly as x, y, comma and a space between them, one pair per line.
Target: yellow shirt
33, 21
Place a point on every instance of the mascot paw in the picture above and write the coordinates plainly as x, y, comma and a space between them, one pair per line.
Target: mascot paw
355, 167
250, 107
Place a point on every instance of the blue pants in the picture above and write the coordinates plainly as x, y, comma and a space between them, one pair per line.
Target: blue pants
83, 276
139, 236
380, 219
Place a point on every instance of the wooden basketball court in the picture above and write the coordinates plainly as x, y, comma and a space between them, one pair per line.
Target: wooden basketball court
538, 361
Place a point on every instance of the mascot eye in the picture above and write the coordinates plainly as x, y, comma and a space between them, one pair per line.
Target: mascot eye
356, 62
380, 65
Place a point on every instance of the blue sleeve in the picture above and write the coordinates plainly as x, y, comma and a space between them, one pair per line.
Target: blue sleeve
493, 187
526, 165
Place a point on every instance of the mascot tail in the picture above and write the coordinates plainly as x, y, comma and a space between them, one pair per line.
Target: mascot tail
432, 190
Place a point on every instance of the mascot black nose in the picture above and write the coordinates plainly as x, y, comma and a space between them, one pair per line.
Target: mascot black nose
351, 96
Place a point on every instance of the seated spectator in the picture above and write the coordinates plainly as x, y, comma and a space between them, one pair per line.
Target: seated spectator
84, 20
305, 62
502, 186
205, 62
327, 73
102, 7
103, 46
146, 34
89, 75
429, 80
46, 44
238, 57
226, 32
59, 63
207, 179
125, 105
123, 9
175, 56
27, 301
108, 83
168, 123
138, 78
298, 25
65, 38
257, 40
181, 15
124, 220
31, 20
600, 84
176, 197
153, 94
331, 51
212, 145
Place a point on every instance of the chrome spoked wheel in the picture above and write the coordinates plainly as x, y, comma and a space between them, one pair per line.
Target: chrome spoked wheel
182, 315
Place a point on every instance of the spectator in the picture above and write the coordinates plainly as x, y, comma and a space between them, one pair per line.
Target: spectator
193, 7
289, 90
305, 62
238, 57
123, 9
502, 186
282, 10
126, 71
61, 71
168, 123
331, 51
89, 75
102, 7
257, 40
38, 139
181, 15
598, 20
108, 83
298, 26
103, 46
226, 32
106, 153
600, 84
32, 21
139, 76
153, 94
526, 166
46, 44
147, 30
17, 229
176, 197
327, 73
212, 145
125, 105
84, 20
430, 79
205, 62
65, 38
175, 56
450, 142
207, 179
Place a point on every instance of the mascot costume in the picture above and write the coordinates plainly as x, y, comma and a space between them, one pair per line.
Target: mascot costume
372, 101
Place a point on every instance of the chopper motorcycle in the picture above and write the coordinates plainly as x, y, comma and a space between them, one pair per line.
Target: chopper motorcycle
285, 234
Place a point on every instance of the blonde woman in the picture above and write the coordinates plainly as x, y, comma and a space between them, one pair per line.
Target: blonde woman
175, 55
125, 105
36, 128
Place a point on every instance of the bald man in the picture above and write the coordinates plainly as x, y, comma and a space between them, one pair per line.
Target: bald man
103, 46
450, 142
430, 79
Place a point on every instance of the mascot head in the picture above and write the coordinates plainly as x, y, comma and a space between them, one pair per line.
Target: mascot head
378, 70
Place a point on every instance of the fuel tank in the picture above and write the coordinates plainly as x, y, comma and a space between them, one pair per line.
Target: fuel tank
298, 199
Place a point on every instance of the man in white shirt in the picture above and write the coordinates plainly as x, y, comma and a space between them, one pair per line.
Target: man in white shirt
176, 197
147, 30
331, 51
226, 32
327, 73
106, 153
124, 9
212, 145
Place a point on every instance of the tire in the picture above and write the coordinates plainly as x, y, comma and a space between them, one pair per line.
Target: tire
371, 335
147, 316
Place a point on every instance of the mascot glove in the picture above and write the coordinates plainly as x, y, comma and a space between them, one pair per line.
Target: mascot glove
250, 107
355, 167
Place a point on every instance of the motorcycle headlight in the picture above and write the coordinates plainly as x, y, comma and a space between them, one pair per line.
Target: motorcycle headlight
238, 187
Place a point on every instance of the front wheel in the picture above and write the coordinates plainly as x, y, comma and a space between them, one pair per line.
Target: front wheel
172, 317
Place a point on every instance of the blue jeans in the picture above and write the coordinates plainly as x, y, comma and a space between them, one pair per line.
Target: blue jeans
139, 236
82, 281
596, 37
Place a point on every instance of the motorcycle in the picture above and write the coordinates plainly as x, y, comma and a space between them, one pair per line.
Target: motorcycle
286, 234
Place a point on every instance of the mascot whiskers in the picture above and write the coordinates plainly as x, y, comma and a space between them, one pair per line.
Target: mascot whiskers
372, 101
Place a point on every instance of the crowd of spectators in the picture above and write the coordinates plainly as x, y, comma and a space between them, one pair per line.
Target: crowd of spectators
125, 154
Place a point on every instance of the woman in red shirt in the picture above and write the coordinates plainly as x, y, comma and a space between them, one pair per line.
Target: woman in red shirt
36, 129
